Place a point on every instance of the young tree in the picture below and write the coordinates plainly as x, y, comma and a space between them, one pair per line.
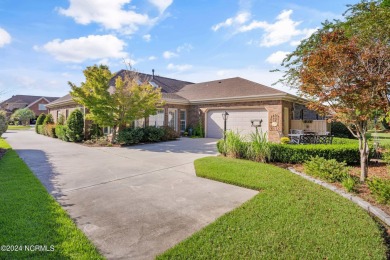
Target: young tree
118, 105
40, 120
75, 126
23, 115
344, 71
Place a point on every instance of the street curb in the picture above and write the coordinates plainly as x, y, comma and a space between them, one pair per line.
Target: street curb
355, 199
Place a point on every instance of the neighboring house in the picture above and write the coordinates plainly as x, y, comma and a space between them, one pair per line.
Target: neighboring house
36, 103
188, 104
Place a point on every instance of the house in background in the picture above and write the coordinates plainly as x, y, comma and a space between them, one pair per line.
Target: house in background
36, 103
188, 104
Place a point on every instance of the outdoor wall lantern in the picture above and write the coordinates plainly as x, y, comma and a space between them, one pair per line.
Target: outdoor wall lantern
225, 116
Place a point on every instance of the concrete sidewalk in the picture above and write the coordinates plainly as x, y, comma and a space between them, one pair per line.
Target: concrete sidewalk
133, 203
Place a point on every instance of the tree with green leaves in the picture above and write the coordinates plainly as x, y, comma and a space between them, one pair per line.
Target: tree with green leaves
75, 126
344, 69
115, 106
23, 115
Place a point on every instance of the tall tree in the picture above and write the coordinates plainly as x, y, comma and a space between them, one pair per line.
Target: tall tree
115, 106
344, 69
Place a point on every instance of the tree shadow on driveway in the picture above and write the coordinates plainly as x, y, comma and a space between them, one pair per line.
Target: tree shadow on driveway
182, 145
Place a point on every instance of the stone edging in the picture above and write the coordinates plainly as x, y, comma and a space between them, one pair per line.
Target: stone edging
355, 199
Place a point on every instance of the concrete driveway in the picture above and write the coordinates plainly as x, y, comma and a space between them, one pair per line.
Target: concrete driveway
133, 203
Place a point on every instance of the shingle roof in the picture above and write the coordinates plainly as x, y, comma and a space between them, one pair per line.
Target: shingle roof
171, 97
27, 99
167, 85
226, 88
65, 98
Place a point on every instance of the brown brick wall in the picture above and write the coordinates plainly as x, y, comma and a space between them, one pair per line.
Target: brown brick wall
35, 107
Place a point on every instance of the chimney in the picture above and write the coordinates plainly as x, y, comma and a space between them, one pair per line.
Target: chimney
152, 73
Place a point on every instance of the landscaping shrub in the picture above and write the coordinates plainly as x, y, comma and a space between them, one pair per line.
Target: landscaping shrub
169, 134
235, 146
49, 130
221, 147
338, 129
258, 148
198, 130
40, 129
60, 131
95, 131
380, 189
284, 140
130, 136
349, 183
290, 153
329, 170
39, 122
61, 120
48, 119
3, 123
152, 134
75, 126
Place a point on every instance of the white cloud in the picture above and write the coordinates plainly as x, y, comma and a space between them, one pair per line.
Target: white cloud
169, 54
5, 37
93, 47
186, 47
282, 31
147, 37
110, 14
277, 57
152, 58
161, 4
180, 68
240, 18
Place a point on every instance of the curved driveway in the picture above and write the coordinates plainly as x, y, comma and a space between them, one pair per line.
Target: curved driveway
133, 203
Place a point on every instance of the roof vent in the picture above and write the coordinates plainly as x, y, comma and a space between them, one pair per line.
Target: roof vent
220, 82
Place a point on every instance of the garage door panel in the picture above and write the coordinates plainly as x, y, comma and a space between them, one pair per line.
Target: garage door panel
239, 120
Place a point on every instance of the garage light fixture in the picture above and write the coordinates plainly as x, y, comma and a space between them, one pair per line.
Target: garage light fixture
256, 122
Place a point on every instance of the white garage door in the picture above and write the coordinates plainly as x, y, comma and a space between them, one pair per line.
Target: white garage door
239, 120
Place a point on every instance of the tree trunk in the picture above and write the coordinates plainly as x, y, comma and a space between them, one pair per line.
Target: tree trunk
363, 149
113, 136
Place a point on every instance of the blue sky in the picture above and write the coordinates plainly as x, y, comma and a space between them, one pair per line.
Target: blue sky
44, 44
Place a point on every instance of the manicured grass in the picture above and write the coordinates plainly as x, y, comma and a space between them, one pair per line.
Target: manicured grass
290, 218
18, 127
29, 216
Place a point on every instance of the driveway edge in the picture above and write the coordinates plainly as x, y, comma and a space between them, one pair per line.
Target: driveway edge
355, 199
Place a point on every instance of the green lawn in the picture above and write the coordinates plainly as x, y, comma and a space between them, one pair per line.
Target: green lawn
29, 216
18, 127
290, 218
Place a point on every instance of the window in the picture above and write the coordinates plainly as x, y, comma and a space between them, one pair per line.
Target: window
66, 114
41, 107
158, 119
139, 122
172, 118
107, 130
153, 84
183, 119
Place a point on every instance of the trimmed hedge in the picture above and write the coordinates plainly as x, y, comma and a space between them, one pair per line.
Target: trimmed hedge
149, 134
39, 129
49, 130
75, 124
39, 122
290, 153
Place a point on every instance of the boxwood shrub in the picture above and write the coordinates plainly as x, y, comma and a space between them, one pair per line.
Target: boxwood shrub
290, 153
130, 136
152, 134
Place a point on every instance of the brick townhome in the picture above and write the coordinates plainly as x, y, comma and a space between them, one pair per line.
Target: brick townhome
188, 104
36, 103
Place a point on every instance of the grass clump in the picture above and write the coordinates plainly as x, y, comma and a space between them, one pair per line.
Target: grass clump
30, 216
290, 218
